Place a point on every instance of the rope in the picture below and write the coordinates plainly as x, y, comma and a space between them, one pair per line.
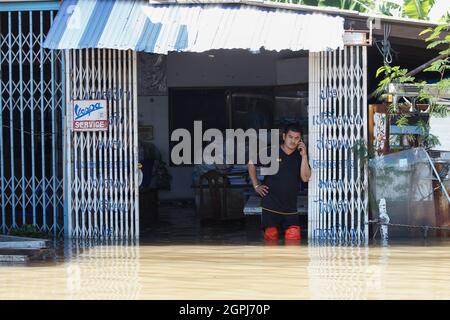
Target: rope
406, 225
386, 49
279, 212
425, 228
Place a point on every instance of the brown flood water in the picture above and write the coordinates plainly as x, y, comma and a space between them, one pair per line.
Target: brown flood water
234, 268
236, 272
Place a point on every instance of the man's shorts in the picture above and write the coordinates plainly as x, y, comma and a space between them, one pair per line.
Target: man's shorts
282, 221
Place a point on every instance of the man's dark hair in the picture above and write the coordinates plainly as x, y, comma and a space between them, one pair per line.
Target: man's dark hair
291, 127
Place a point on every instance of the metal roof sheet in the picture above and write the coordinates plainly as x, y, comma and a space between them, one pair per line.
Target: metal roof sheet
140, 26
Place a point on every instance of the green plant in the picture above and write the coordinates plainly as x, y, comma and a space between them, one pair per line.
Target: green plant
29, 231
415, 9
391, 75
438, 36
361, 150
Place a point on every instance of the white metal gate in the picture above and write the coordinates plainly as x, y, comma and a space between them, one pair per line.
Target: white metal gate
338, 192
102, 166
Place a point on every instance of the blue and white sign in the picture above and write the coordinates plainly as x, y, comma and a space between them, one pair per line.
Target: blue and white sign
90, 115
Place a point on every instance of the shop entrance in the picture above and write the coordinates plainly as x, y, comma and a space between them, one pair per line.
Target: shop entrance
222, 89
103, 175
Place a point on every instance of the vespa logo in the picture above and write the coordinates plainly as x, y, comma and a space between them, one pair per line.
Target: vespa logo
83, 112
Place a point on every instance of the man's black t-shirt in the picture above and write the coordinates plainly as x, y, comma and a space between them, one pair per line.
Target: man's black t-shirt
283, 186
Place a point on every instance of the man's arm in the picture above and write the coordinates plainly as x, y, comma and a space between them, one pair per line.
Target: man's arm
252, 173
261, 189
305, 170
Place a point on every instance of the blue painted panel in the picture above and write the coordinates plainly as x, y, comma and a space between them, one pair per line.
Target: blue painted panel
29, 6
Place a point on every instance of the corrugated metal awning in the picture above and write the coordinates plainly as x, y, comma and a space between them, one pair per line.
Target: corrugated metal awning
140, 26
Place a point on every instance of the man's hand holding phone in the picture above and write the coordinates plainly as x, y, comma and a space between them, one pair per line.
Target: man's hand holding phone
302, 148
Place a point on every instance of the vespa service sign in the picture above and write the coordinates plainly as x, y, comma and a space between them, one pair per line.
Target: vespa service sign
89, 115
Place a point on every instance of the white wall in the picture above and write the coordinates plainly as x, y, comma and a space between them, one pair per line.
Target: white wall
439, 127
235, 68
153, 110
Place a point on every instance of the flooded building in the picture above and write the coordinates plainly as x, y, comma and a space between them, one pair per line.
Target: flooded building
93, 91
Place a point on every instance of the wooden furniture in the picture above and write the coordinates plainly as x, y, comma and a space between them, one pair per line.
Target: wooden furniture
379, 128
217, 198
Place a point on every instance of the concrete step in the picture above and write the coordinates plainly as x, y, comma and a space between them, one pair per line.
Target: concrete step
24, 255
12, 242
13, 258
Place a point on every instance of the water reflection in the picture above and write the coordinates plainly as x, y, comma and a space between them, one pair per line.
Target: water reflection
181, 259
132, 271
103, 271
338, 272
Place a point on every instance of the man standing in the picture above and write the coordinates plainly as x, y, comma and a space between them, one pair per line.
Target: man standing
279, 191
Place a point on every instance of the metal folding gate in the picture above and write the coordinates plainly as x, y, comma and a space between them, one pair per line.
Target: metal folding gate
31, 87
338, 191
102, 184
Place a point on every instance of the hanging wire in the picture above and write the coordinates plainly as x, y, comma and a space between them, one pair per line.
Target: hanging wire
384, 46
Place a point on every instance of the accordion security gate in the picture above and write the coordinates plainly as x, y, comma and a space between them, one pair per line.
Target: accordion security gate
31, 119
102, 175
338, 189
102, 165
